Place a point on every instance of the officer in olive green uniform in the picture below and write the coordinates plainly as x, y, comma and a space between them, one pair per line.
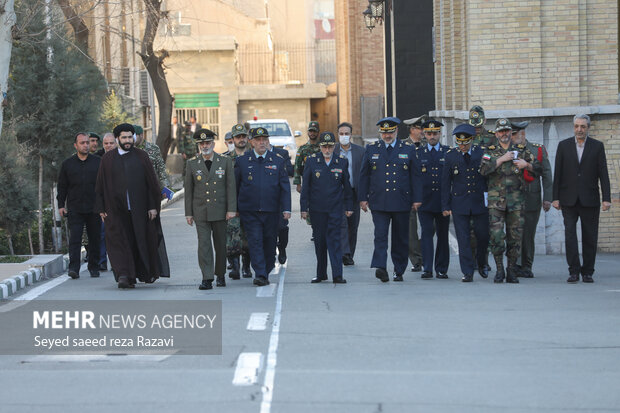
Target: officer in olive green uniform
417, 139
236, 241
533, 202
210, 200
503, 165
483, 136
187, 146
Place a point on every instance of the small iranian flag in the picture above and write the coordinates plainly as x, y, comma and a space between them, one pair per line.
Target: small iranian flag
486, 157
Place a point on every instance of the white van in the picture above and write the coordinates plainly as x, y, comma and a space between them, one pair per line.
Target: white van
280, 134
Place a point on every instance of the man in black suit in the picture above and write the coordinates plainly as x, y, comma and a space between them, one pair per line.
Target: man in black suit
354, 154
580, 165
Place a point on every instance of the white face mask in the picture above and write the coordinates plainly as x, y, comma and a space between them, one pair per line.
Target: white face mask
344, 139
231, 146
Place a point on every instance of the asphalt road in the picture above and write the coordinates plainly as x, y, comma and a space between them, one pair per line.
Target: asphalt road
427, 346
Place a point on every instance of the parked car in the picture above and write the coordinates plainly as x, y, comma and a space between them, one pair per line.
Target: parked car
280, 134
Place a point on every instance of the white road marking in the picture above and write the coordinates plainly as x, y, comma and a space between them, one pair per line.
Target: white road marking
272, 353
248, 367
258, 321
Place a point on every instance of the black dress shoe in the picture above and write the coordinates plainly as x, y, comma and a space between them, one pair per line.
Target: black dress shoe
339, 280
426, 275
484, 273
235, 271
467, 278
398, 277
318, 279
206, 285
261, 281
220, 281
94, 274
246, 272
587, 278
573, 278
74, 275
525, 273
103, 267
123, 282
347, 260
442, 275
416, 268
382, 274
282, 255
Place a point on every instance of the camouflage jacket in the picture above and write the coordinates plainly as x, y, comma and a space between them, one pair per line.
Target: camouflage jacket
187, 145
506, 184
233, 154
300, 160
409, 141
485, 139
157, 161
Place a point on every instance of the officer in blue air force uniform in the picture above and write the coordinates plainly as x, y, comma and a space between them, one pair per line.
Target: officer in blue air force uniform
432, 158
325, 193
264, 193
389, 184
462, 196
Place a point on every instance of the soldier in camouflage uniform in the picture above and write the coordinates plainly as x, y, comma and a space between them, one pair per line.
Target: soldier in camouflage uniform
304, 151
187, 146
416, 138
533, 202
154, 155
236, 241
504, 166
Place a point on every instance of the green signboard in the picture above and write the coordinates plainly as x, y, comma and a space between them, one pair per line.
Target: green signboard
196, 100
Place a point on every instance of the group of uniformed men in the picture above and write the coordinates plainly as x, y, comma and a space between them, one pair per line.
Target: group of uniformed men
489, 183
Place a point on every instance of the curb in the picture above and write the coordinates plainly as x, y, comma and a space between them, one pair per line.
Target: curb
177, 195
11, 285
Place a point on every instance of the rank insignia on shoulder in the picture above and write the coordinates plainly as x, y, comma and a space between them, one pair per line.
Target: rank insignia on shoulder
277, 154
342, 156
492, 147
520, 146
313, 155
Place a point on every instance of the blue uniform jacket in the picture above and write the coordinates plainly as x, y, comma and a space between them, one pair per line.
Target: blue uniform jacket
290, 169
262, 187
462, 186
325, 187
431, 170
390, 184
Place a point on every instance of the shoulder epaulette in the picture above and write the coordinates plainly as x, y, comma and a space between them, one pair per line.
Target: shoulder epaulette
408, 143
491, 147
536, 144
313, 155
277, 154
342, 156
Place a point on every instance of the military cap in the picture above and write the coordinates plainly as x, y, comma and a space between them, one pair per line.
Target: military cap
138, 129
464, 133
476, 116
314, 125
239, 129
258, 132
502, 124
432, 125
415, 121
228, 136
94, 135
388, 124
517, 126
204, 135
327, 138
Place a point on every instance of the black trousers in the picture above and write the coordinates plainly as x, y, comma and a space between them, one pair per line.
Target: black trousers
589, 237
76, 222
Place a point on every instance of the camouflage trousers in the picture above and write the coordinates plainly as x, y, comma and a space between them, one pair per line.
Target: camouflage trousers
236, 241
510, 240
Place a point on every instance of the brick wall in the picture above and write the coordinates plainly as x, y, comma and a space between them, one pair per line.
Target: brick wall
360, 60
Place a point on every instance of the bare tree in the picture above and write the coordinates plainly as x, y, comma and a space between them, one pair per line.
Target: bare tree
77, 23
154, 63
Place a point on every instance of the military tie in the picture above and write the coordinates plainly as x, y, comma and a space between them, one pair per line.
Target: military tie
467, 158
389, 150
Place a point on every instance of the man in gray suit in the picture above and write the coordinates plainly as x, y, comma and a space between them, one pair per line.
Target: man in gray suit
354, 154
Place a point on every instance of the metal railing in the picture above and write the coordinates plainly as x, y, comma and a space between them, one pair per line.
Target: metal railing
287, 63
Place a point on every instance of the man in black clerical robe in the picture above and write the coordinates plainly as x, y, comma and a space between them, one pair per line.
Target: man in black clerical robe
128, 200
